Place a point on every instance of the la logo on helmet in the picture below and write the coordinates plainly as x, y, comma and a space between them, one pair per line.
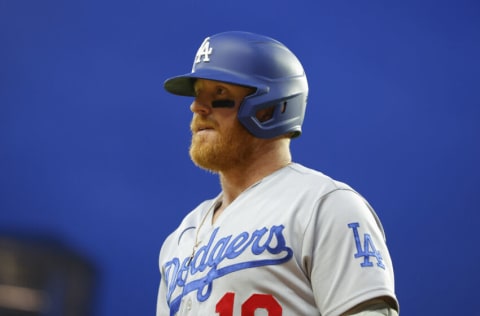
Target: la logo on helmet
204, 51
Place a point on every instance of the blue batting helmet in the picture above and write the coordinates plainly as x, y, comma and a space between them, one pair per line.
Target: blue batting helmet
255, 61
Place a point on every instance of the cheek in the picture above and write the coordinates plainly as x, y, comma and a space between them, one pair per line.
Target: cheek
228, 122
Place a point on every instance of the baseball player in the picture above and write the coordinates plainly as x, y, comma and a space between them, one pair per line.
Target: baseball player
280, 238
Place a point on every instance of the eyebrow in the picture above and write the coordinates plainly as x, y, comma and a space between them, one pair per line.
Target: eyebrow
218, 85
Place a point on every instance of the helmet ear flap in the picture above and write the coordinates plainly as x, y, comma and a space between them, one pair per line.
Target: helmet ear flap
270, 119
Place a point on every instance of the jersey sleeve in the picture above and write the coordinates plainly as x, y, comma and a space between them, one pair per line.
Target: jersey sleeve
162, 305
346, 253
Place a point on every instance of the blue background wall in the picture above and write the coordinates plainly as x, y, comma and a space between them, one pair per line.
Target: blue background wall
94, 153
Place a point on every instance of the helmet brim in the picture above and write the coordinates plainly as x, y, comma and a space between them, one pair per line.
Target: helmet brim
183, 85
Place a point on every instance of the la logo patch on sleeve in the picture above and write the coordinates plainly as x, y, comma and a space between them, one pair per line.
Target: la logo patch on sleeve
368, 250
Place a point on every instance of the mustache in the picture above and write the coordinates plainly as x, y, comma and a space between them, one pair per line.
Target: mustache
199, 122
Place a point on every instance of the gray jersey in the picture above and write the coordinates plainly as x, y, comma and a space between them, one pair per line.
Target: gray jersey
295, 243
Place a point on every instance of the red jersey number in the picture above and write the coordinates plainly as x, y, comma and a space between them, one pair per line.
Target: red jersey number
224, 306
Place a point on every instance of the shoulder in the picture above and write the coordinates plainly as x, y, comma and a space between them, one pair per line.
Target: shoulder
323, 185
333, 202
307, 182
309, 176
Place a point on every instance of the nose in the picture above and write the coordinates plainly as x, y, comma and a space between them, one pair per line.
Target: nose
201, 107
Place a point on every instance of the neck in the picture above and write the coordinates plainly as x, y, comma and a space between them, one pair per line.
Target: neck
271, 156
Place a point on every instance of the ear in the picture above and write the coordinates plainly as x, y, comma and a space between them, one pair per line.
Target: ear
264, 115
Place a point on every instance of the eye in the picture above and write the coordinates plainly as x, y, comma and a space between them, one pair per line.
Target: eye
221, 91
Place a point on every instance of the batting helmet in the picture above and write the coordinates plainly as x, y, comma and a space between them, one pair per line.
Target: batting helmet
255, 61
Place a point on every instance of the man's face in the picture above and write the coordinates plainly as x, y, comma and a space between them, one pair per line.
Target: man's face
219, 141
